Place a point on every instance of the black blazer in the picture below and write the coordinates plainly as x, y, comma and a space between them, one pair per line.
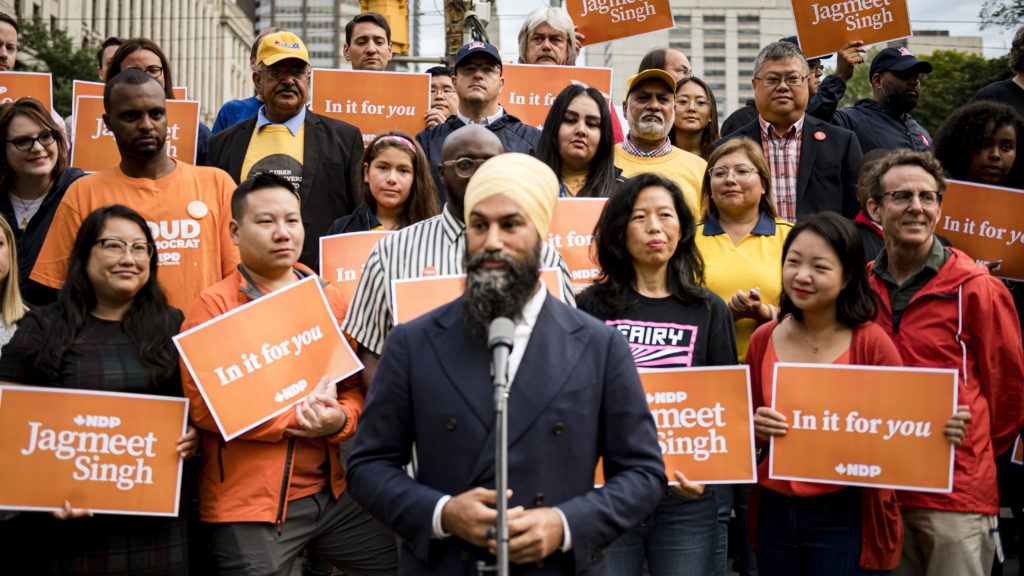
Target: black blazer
829, 159
332, 171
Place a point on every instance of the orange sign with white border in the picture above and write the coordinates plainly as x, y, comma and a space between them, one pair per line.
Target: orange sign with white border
256, 361
601, 20
864, 426
986, 222
414, 297
343, 256
825, 26
374, 101
95, 149
38, 85
112, 453
529, 89
86, 88
572, 234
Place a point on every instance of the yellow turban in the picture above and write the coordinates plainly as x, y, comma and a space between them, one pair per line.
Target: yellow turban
525, 180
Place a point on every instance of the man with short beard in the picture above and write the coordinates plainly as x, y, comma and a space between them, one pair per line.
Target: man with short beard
884, 120
650, 110
575, 397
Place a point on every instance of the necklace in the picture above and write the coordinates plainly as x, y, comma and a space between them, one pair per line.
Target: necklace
28, 208
814, 349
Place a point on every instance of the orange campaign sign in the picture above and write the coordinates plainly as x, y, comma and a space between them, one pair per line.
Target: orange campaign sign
261, 359
374, 101
38, 85
86, 88
1018, 452
705, 423
93, 147
572, 233
414, 297
108, 452
864, 426
604, 20
986, 222
529, 90
825, 26
343, 256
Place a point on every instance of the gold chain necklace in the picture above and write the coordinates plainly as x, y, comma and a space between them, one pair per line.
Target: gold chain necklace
814, 349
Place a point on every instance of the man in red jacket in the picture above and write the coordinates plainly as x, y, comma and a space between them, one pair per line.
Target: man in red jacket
945, 311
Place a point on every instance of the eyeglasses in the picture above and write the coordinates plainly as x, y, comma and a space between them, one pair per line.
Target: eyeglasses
26, 143
816, 67
465, 167
445, 91
901, 198
115, 248
153, 71
698, 102
773, 81
281, 73
740, 172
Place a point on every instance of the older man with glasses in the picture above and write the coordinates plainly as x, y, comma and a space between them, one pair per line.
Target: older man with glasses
320, 156
813, 163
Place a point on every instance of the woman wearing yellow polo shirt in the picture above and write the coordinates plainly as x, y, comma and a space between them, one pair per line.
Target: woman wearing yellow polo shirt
740, 239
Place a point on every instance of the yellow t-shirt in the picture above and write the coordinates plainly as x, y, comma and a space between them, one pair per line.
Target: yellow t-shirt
679, 166
274, 149
194, 249
756, 261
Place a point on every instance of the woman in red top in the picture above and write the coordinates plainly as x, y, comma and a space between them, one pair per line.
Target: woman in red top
825, 318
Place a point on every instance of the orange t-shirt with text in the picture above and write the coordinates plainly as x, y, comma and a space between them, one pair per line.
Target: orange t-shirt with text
188, 212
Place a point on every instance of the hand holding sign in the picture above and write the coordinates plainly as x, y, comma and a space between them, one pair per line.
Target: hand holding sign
956, 429
319, 414
768, 423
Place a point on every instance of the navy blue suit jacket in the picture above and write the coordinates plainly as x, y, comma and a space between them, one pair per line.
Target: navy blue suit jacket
576, 397
829, 159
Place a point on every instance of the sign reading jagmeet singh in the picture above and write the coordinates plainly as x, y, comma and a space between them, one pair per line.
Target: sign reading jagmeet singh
825, 26
603, 20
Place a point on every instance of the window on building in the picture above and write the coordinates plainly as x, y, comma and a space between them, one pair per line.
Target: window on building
748, 18
749, 46
714, 18
714, 45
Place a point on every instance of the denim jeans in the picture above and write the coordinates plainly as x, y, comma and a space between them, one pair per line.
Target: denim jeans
733, 497
810, 536
679, 539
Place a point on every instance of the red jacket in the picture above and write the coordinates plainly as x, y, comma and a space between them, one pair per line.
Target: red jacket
247, 479
963, 318
881, 526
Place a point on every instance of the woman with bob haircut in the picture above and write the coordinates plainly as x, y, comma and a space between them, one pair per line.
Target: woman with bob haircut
810, 528
109, 330
33, 181
578, 144
651, 273
398, 189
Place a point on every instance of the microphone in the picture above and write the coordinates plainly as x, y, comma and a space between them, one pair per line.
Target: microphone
500, 336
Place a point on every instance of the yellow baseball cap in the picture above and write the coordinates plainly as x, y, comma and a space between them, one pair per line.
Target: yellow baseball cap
651, 74
281, 46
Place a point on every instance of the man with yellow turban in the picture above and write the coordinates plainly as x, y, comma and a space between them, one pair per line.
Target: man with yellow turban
575, 397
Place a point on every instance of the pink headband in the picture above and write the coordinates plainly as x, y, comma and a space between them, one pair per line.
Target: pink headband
398, 139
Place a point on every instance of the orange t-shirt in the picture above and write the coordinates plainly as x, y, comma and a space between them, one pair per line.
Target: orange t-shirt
188, 212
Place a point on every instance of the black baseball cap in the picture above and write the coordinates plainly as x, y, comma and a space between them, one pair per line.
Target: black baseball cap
477, 48
898, 59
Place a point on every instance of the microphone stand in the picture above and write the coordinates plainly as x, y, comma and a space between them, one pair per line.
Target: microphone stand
500, 338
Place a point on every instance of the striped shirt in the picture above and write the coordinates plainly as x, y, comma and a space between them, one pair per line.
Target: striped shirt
434, 247
783, 154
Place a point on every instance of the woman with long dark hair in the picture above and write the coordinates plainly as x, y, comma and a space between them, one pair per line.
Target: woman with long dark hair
33, 181
696, 123
397, 187
652, 275
578, 143
109, 330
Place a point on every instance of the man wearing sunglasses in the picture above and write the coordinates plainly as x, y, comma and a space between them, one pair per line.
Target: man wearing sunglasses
433, 247
320, 156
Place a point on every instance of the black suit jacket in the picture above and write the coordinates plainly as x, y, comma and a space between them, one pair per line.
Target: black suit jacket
829, 159
331, 172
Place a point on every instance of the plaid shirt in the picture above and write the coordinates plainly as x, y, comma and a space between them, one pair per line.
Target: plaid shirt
663, 150
783, 154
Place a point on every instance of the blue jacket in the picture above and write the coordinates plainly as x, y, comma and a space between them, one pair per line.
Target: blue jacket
877, 127
514, 135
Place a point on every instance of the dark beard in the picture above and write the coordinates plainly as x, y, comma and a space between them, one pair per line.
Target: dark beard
898, 102
498, 293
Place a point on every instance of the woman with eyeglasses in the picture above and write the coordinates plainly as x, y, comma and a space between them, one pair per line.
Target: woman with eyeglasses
34, 178
144, 54
397, 187
578, 144
696, 124
109, 330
